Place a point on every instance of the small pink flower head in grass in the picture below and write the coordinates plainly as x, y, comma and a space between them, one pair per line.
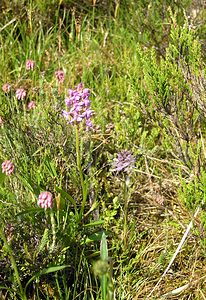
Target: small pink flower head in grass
31, 105
6, 88
60, 76
7, 167
20, 94
30, 64
45, 200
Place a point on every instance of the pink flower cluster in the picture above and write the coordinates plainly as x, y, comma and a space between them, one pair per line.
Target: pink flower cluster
79, 104
45, 200
31, 105
30, 64
60, 76
125, 161
6, 87
7, 167
20, 94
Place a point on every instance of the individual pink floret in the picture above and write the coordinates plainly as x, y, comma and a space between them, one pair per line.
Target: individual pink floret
31, 105
30, 64
20, 94
45, 200
7, 167
6, 87
60, 76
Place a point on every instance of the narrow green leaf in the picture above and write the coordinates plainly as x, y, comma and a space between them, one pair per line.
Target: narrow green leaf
93, 237
45, 271
104, 248
43, 241
95, 223
28, 211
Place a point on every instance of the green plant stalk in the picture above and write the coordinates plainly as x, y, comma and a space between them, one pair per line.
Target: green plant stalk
78, 270
104, 284
81, 175
104, 258
13, 262
126, 200
53, 230
58, 286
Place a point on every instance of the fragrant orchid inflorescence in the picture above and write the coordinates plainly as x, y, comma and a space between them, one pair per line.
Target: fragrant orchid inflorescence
124, 162
79, 104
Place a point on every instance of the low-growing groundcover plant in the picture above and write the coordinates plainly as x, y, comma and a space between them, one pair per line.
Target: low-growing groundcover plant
102, 134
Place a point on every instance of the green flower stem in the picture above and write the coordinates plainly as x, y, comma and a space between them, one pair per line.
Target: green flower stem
13, 262
81, 175
53, 224
126, 202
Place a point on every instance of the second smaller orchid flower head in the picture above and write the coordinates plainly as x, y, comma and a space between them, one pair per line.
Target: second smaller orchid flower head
20, 94
30, 64
7, 167
79, 104
60, 76
45, 200
124, 162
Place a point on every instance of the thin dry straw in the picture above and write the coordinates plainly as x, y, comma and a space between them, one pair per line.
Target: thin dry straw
176, 252
181, 289
7, 24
